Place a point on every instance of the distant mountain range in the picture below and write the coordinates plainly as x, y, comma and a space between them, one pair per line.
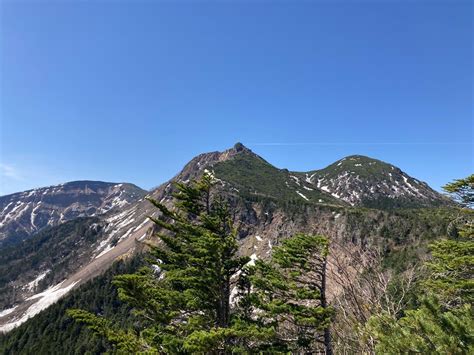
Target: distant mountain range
73, 232
24, 213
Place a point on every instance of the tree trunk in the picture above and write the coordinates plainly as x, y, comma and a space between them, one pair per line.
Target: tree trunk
327, 331
223, 311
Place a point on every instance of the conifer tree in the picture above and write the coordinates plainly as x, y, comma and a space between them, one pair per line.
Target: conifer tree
462, 190
286, 297
429, 329
184, 298
452, 265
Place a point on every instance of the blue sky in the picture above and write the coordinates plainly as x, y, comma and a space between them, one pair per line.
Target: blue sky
130, 91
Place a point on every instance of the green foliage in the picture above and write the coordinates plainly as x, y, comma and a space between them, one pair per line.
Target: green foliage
184, 299
430, 329
444, 323
286, 297
452, 265
408, 232
452, 271
57, 249
52, 331
254, 177
462, 190
406, 202
125, 341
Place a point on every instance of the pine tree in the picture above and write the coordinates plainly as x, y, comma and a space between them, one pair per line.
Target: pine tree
462, 190
452, 265
184, 298
286, 297
430, 329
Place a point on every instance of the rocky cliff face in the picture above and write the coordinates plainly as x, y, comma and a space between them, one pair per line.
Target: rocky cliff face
269, 204
24, 213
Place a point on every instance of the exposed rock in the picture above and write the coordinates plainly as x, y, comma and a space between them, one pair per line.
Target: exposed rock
24, 213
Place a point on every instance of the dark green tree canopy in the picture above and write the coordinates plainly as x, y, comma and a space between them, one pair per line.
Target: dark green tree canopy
184, 298
287, 296
462, 190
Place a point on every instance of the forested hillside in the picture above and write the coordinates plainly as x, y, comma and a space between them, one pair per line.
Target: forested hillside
54, 332
45, 259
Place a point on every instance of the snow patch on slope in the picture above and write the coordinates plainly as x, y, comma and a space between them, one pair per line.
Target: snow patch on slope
7, 311
299, 193
44, 300
33, 284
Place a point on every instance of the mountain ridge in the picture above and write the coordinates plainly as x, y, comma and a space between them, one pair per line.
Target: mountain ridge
312, 176
356, 180
27, 212
269, 204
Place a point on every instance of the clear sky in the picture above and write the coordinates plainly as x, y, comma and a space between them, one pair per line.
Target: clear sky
132, 90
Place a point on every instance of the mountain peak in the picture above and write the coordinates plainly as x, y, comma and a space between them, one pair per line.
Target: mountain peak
361, 180
357, 158
206, 161
239, 147
361, 165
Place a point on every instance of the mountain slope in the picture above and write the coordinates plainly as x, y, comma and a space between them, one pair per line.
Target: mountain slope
269, 204
24, 213
402, 234
53, 332
54, 253
250, 174
363, 181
